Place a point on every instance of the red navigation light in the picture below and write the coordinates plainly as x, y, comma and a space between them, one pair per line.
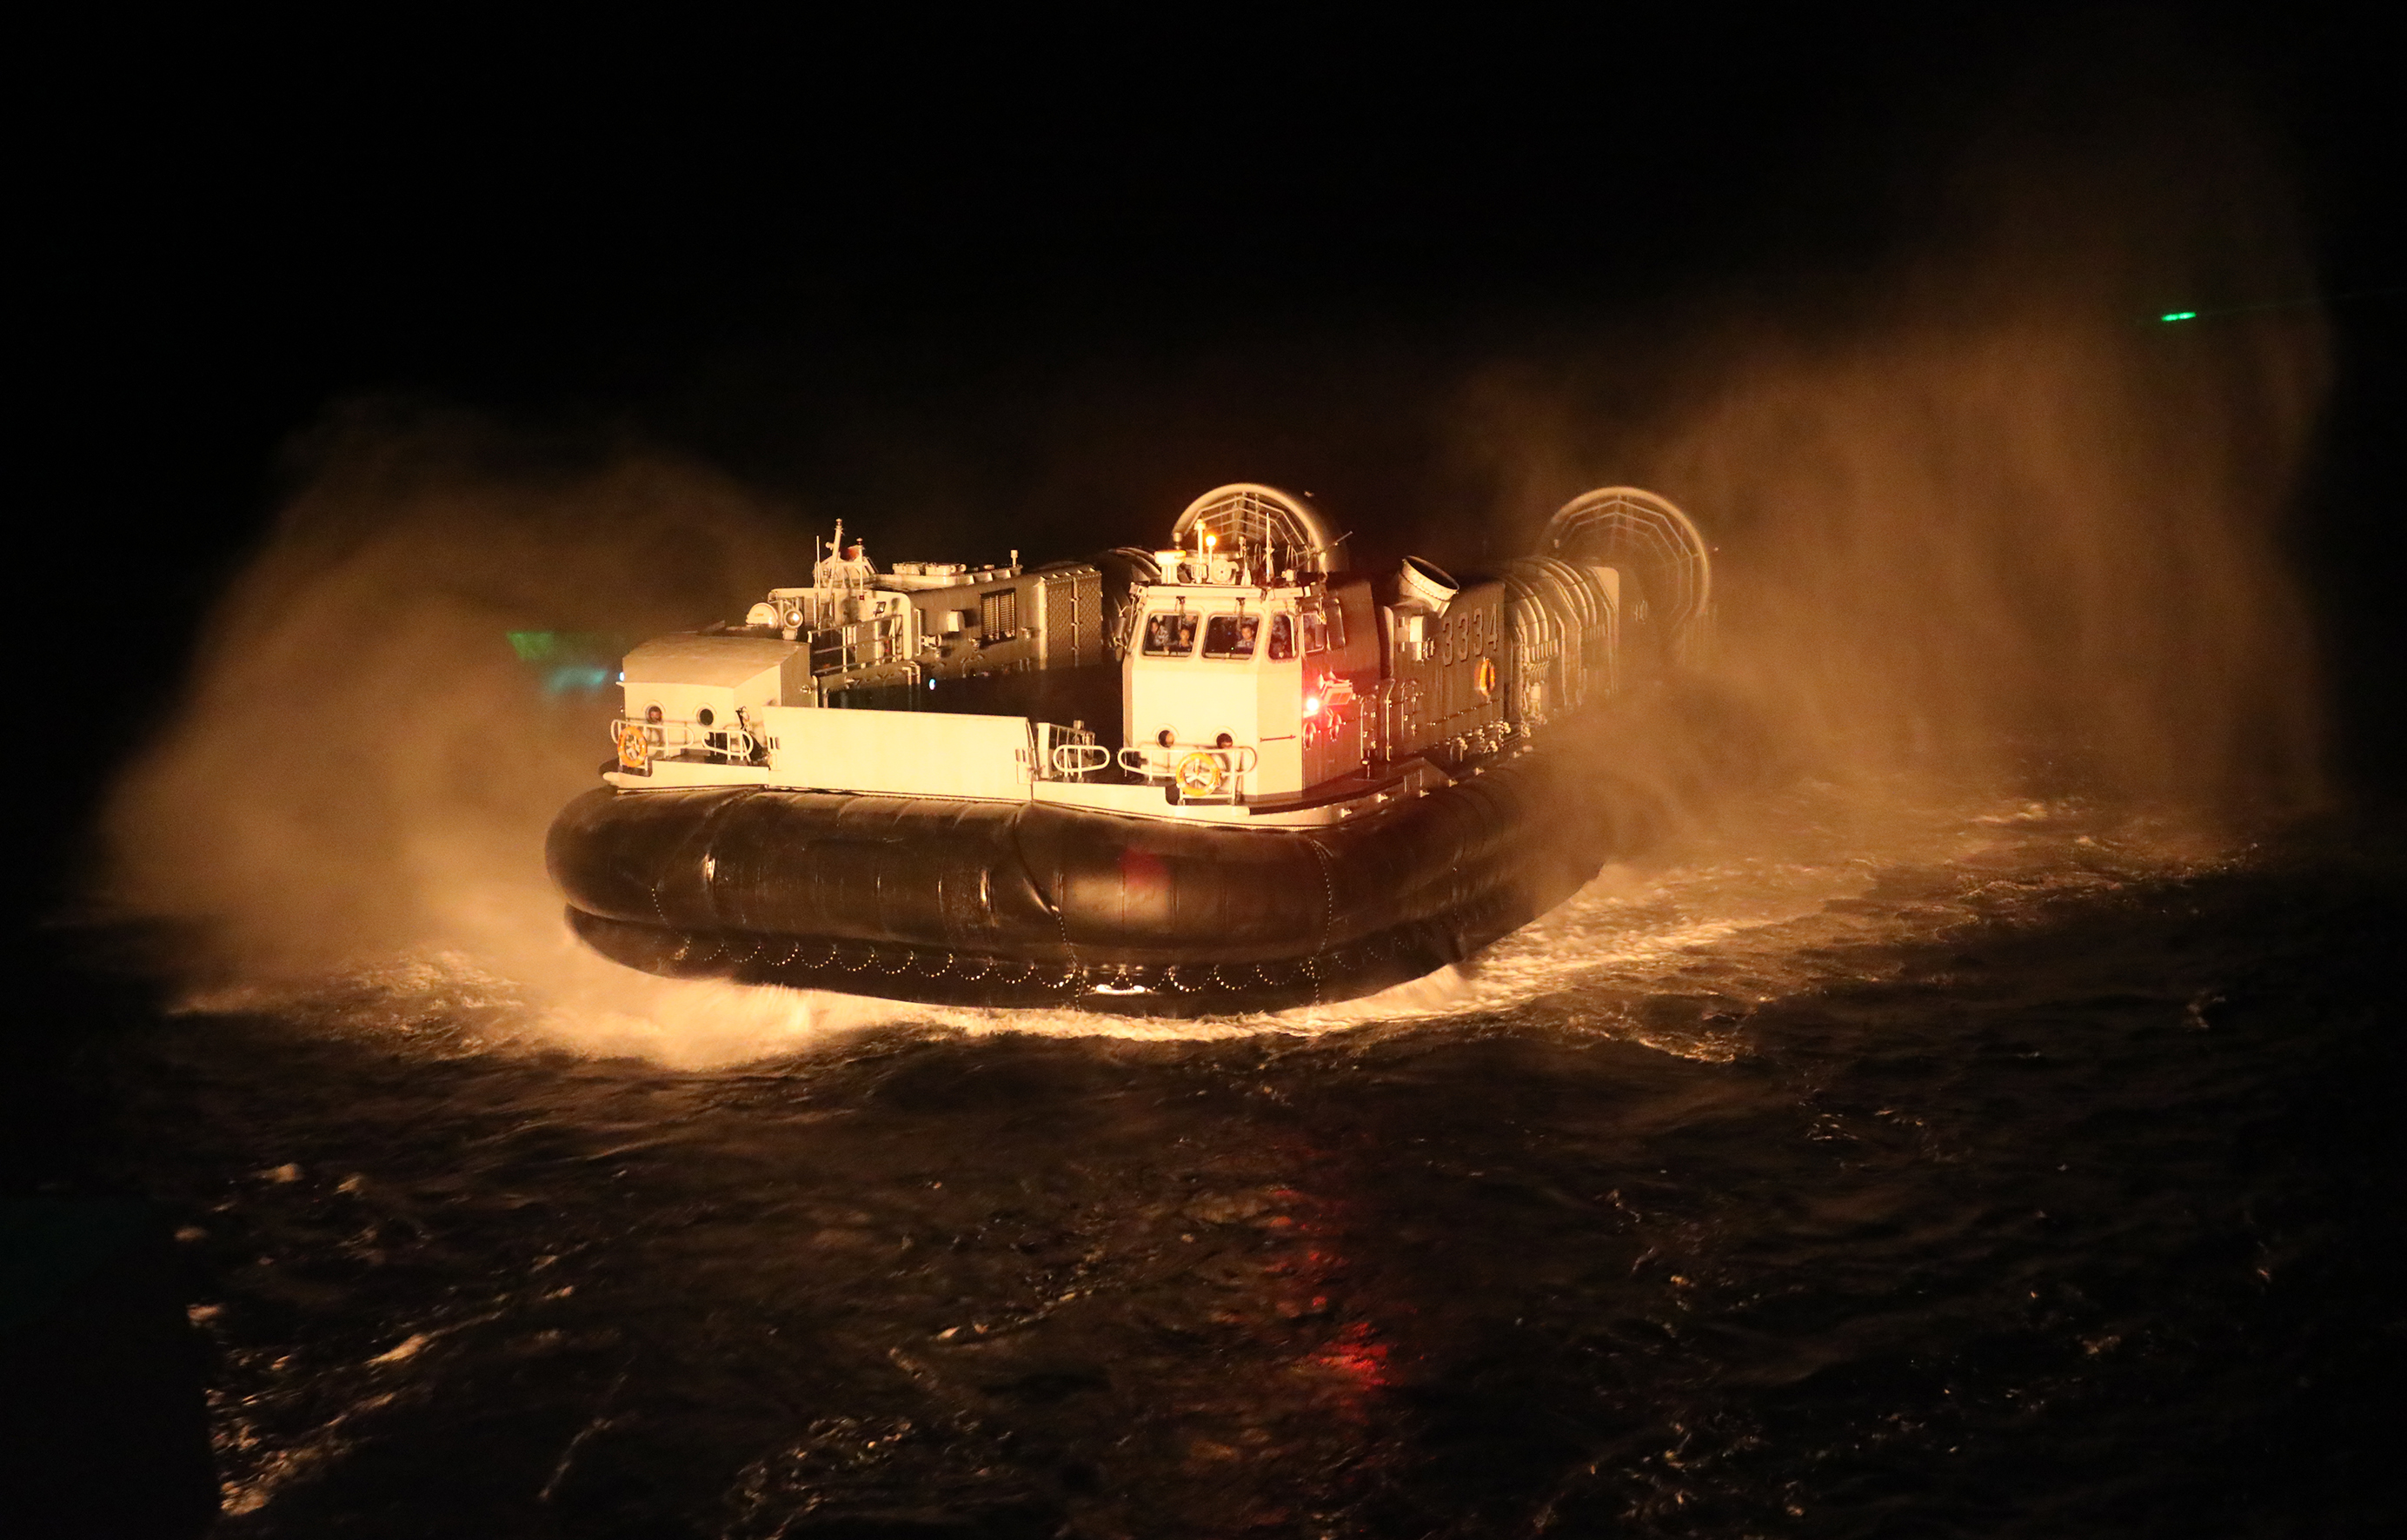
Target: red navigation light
1312, 706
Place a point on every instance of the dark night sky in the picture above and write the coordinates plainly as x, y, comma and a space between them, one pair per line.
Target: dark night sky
770, 249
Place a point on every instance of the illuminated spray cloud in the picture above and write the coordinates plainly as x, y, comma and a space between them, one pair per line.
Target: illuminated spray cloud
1971, 516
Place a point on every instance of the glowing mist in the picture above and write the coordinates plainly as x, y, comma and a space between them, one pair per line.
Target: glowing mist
1979, 513
362, 769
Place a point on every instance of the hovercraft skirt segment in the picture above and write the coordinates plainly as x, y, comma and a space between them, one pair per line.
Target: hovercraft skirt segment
1032, 902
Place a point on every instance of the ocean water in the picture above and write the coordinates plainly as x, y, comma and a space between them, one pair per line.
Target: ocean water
1959, 1166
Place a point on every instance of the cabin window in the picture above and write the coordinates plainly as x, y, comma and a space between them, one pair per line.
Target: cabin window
1282, 637
998, 616
1169, 634
1316, 633
1231, 636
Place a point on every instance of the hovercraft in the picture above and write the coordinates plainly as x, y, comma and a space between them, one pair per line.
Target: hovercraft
1227, 775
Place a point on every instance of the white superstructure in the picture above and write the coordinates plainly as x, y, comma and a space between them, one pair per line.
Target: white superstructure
1238, 674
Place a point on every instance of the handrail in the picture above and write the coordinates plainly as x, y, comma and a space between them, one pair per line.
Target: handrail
1203, 772
662, 739
1080, 759
1241, 758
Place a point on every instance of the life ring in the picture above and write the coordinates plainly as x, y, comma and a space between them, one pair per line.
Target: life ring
634, 744
1201, 774
1484, 680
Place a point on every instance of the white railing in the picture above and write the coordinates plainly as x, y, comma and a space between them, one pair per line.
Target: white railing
1069, 753
641, 742
1202, 772
1074, 761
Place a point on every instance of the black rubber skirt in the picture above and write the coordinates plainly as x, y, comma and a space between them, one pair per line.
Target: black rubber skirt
1033, 904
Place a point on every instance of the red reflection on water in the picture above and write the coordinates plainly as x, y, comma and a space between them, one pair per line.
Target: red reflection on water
1352, 1362
1359, 1356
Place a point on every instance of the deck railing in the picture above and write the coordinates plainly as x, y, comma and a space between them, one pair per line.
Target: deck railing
1203, 772
640, 742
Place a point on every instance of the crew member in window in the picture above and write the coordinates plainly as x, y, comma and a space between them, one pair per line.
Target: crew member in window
1231, 636
1282, 638
1170, 635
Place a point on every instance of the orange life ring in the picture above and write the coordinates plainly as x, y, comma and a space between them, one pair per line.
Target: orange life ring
634, 744
1203, 773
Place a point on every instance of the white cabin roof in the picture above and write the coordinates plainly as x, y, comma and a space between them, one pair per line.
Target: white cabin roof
706, 660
